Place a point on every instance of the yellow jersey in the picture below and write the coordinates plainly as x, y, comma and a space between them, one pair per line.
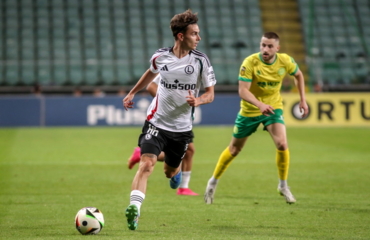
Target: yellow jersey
266, 80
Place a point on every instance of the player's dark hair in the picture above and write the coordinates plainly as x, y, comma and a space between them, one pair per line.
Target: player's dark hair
271, 35
181, 21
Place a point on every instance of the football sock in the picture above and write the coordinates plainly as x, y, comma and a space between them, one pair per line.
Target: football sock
185, 179
283, 183
212, 181
137, 198
223, 163
282, 162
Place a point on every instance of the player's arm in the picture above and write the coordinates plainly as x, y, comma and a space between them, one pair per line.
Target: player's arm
245, 94
206, 97
245, 82
145, 79
299, 82
152, 88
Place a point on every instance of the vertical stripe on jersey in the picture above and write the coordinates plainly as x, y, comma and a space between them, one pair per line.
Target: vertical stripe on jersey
154, 64
201, 66
151, 115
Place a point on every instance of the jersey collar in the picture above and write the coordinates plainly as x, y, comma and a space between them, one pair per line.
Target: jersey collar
260, 56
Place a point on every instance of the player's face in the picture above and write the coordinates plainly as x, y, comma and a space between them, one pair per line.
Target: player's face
268, 48
191, 37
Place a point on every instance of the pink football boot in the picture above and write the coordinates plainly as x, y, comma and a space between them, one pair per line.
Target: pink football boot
135, 158
186, 191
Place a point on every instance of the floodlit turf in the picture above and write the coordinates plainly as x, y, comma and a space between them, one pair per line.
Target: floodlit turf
48, 174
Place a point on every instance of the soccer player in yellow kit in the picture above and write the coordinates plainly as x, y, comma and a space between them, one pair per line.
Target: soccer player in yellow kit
260, 78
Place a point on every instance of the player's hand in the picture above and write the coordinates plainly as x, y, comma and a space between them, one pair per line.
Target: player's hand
127, 101
266, 109
303, 108
191, 100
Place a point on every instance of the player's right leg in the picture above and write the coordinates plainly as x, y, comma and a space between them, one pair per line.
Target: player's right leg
150, 149
138, 189
287, 194
135, 158
243, 128
224, 161
132, 215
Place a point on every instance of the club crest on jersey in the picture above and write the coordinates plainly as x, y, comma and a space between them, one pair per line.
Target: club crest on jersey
281, 71
189, 69
242, 71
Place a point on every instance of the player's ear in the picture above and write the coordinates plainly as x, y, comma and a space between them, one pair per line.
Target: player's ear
180, 36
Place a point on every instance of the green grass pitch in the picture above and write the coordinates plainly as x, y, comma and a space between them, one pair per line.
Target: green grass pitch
48, 174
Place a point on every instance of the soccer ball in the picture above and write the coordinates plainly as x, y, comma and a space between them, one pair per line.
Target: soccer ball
89, 220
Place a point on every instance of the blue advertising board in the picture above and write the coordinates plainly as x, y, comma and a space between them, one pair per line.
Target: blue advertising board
326, 109
21, 111
104, 111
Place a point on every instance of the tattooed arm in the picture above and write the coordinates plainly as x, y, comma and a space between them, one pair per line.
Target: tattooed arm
205, 98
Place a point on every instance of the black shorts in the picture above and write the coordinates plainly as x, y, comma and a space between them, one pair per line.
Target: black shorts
173, 144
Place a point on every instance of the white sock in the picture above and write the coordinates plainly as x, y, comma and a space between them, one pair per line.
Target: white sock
137, 198
185, 180
283, 183
213, 181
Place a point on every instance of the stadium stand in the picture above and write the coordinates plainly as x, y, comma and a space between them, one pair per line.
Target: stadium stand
61, 44
56, 43
337, 40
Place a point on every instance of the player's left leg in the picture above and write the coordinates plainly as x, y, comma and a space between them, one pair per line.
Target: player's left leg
175, 151
186, 166
278, 133
134, 158
174, 174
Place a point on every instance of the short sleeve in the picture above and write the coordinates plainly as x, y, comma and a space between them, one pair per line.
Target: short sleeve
207, 73
153, 64
292, 67
156, 79
246, 70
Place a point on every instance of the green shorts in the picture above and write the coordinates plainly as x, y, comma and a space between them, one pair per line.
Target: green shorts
245, 126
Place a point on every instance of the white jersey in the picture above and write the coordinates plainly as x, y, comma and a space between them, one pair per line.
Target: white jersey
169, 109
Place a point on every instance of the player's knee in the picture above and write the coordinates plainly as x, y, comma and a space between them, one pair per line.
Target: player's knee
189, 153
282, 145
235, 150
169, 174
146, 166
191, 150
191, 147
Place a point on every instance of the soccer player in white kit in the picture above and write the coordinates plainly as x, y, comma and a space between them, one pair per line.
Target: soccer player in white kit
187, 161
183, 71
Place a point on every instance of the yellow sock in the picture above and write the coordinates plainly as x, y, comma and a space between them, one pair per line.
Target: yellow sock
282, 162
223, 163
